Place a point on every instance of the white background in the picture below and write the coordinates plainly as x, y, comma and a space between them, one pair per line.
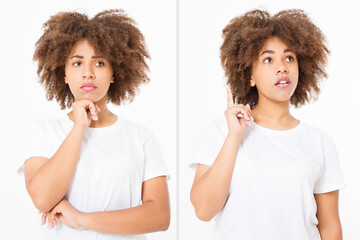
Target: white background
23, 98
203, 96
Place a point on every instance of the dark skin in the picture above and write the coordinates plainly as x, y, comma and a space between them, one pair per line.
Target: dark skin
211, 183
89, 110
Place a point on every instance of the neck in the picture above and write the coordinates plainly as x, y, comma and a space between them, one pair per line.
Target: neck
274, 115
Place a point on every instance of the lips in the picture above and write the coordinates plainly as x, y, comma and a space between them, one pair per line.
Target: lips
88, 87
283, 82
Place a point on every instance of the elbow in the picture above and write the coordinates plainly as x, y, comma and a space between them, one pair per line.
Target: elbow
164, 225
164, 221
161, 222
203, 211
203, 214
40, 200
41, 203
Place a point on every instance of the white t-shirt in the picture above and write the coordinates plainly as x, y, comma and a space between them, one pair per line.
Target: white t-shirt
113, 163
276, 175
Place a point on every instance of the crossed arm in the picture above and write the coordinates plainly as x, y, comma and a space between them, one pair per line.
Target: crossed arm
47, 181
152, 215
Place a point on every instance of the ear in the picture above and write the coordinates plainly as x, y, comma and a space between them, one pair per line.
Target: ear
252, 82
65, 80
112, 79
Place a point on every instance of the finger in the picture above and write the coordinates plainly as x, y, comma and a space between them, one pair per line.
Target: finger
230, 100
89, 107
43, 218
250, 114
50, 220
97, 107
242, 110
93, 111
53, 219
242, 122
247, 116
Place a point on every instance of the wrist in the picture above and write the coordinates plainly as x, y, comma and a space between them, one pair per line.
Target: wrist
80, 128
81, 220
235, 136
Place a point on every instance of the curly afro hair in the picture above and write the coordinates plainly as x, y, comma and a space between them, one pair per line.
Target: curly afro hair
112, 33
244, 37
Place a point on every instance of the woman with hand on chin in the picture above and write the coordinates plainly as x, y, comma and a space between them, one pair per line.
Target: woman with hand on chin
92, 174
263, 173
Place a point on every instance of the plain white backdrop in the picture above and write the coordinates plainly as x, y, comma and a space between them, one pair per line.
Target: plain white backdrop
203, 97
200, 95
23, 98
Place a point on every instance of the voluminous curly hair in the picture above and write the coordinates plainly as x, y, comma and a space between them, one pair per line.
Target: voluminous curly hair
244, 37
112, 33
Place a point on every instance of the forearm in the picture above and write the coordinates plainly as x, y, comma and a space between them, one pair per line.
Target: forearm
148, 217
50, 182
209, 193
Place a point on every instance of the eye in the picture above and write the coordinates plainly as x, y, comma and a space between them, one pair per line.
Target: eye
267, 60
76, 64
290, 58
99, 63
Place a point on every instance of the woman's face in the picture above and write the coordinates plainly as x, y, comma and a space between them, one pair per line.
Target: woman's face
276, 71
88, 73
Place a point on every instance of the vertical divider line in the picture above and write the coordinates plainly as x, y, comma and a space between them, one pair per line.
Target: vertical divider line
177, 131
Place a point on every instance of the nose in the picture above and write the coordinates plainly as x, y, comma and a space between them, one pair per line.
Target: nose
282, 68
88, 73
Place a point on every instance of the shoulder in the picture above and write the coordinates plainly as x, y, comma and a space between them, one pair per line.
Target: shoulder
50, 123
313, 133
135, 129
217, 124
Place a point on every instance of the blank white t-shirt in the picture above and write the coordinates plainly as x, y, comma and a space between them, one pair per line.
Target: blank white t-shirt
113, 163
276, 175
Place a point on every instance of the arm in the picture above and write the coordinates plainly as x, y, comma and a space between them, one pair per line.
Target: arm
211, 184
152, 215
328, 215
47, 180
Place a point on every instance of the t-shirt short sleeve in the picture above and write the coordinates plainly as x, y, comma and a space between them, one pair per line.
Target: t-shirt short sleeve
34, 143
331, 178
209, 144
154, 163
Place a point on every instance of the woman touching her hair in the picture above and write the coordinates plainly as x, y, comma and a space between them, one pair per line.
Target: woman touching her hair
90, 173
263, 173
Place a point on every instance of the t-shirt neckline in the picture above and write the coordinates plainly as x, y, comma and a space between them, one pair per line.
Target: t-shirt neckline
100, 130
265, 130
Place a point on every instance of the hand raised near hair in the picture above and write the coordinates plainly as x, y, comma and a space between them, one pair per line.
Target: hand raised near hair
84, 111
237, 124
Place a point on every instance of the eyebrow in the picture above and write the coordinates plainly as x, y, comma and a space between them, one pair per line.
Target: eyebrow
78, 56
273, 52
